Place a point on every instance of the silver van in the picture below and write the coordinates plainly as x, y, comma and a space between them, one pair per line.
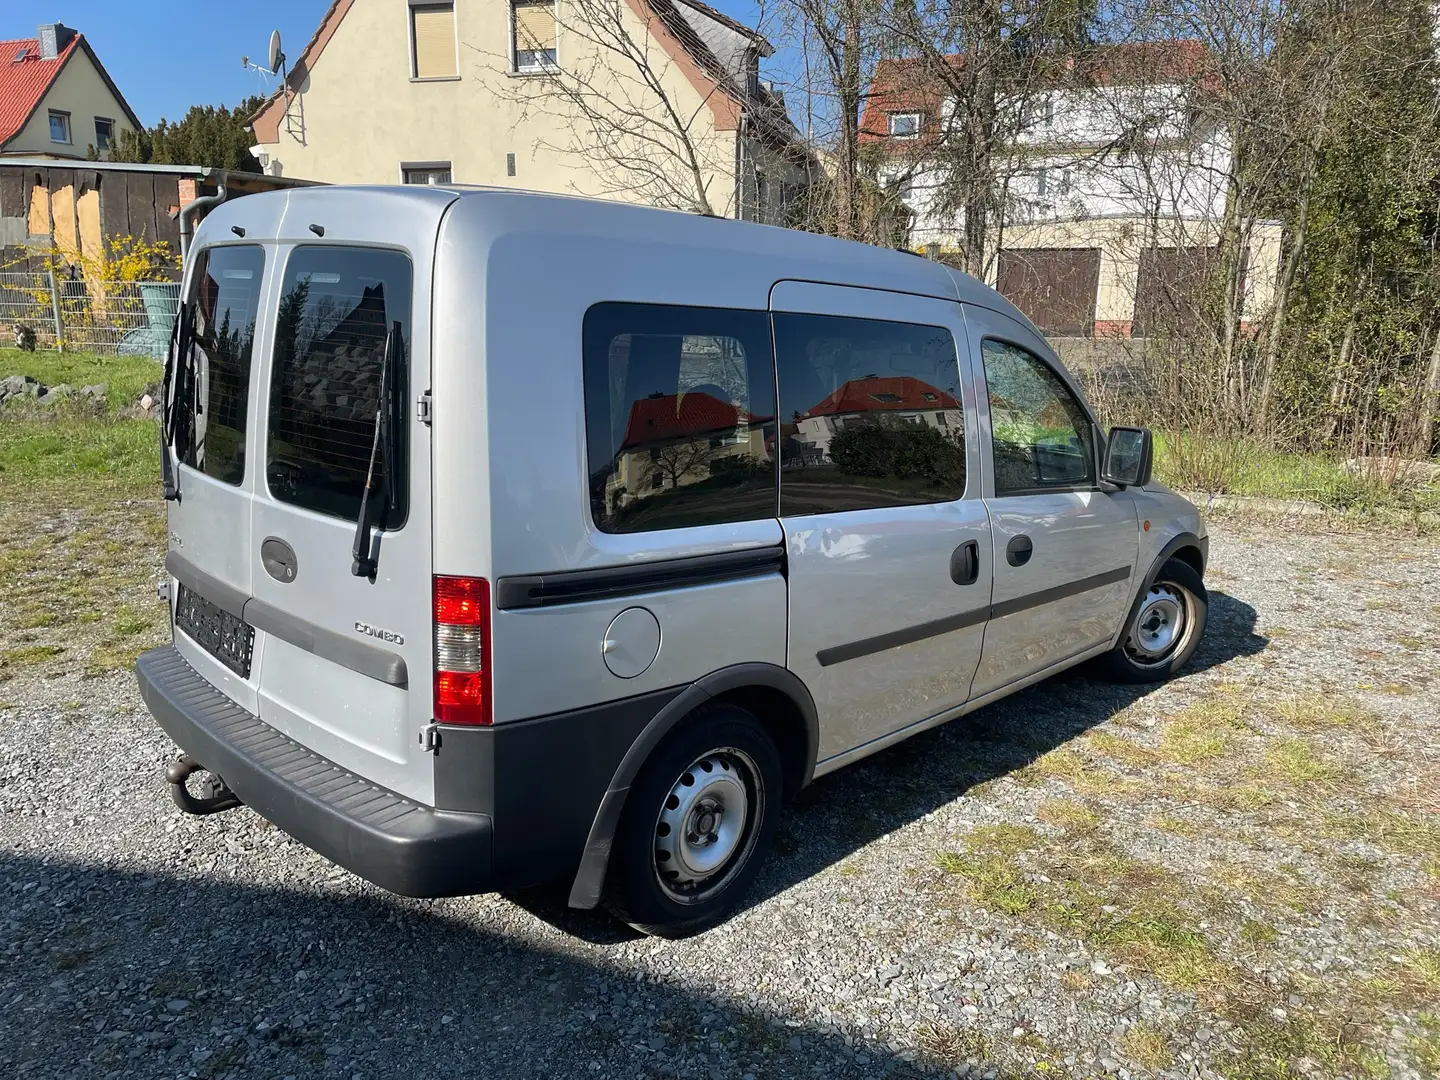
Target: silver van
518, 539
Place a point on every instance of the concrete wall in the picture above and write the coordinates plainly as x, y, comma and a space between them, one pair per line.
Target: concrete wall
80, 91
359, 115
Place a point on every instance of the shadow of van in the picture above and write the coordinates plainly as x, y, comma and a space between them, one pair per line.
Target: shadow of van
842, 812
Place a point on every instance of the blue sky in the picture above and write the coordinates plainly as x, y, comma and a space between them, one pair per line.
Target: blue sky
166, 55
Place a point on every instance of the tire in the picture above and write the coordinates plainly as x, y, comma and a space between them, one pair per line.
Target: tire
662, 880
1164, 627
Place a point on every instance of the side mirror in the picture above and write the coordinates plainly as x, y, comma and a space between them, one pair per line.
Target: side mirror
1129, 454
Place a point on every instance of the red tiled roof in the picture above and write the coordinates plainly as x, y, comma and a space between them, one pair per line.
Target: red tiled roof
23, 83
904, 84
675, 416
871, 395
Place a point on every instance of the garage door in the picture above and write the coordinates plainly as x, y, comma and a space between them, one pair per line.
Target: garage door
1055, 287
1169, 294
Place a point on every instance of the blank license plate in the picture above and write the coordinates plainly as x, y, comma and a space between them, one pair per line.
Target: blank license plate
222, 635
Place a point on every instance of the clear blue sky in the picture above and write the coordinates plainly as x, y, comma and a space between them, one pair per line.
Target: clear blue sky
166, 55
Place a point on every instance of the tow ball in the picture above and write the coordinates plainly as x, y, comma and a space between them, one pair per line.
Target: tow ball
220, 797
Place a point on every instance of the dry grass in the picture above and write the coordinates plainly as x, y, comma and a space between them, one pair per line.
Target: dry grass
1147, 1046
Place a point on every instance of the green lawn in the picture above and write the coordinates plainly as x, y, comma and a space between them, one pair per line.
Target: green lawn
127, 376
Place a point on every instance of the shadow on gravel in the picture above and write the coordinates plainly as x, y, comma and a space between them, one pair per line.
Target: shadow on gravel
107, 973
842, 812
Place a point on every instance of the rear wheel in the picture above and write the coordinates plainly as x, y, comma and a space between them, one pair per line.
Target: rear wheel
697, 824
1165, 627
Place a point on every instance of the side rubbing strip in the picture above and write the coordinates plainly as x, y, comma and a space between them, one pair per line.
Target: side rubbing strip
894, 639
379, 664
577, 586
226, 597
1060, 592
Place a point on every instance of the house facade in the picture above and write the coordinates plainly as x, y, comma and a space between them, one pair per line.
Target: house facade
56, 99
1113, 192
509, 93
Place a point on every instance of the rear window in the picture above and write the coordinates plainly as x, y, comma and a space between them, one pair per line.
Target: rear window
679, 416
336, 306
225, 295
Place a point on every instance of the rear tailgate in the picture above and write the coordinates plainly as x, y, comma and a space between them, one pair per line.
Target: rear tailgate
346, 666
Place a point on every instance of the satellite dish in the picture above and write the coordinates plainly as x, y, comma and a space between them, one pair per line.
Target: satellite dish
276, 56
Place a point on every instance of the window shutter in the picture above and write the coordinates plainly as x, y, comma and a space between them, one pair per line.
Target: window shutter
534, 26
434, 41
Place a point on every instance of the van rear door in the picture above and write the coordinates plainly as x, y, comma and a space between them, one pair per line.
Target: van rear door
347, 659
208, 405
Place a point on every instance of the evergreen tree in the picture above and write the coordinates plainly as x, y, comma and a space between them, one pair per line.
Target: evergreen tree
212, 136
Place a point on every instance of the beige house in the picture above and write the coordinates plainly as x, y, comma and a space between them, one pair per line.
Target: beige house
56, 100
651, 101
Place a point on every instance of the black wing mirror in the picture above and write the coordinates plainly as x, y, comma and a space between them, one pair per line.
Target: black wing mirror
1129, 456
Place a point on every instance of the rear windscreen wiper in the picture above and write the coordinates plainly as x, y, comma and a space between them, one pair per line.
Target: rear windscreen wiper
389, 422
172, 397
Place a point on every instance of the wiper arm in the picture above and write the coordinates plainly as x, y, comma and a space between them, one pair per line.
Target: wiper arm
172, 394
387, 423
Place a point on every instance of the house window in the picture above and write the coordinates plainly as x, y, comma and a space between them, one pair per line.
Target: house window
104, 133
432, 41
430, 172
1040, 182
59, 126
904, 125
533, 34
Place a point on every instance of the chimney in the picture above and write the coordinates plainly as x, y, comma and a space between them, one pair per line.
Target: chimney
53, 39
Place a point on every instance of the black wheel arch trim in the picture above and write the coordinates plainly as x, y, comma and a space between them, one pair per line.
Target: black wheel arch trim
1174, 544
589, 879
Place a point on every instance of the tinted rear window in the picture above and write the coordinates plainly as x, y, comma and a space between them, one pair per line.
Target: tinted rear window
225, 292
336, 306
679, 416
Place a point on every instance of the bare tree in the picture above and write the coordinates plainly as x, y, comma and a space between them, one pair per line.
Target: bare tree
625, 122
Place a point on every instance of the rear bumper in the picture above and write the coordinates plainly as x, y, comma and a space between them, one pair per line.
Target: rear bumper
396, 843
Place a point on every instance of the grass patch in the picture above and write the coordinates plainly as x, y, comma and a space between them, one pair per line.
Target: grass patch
83, 458
1123, 750
127, 376
1147, 1046
948, 1044
1325, 712
1068, 815
28, 655
1190, 740
1071, 767
1296, 763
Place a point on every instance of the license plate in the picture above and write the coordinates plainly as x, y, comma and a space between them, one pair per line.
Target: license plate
222, 635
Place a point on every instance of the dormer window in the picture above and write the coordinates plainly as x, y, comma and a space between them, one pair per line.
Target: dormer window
904, 125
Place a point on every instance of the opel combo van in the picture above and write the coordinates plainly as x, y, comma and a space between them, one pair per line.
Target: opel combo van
518, 539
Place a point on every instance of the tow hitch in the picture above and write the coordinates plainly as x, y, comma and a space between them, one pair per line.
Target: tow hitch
220, 797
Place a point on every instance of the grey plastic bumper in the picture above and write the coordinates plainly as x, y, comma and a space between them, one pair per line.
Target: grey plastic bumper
396, 843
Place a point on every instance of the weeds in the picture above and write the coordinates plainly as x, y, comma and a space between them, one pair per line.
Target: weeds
1147, 1046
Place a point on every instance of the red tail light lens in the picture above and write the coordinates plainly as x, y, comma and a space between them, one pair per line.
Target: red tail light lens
462, 650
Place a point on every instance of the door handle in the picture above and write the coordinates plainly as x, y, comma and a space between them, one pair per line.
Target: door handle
1019, 550
965, 563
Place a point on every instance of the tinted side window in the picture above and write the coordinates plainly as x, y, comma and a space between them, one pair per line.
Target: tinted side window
870, 414
225, 292
336, 307
1042, 437
679, 416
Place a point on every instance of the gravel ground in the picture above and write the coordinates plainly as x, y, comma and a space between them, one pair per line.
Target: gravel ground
1235, 874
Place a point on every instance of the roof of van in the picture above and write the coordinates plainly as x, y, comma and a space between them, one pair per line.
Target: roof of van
845, 262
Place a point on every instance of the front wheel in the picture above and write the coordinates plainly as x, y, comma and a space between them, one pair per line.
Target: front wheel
697, 824
1165, 627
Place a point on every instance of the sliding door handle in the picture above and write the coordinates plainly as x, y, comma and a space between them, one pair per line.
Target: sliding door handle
965, 563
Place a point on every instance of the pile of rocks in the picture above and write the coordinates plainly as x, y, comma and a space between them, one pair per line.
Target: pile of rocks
26, 387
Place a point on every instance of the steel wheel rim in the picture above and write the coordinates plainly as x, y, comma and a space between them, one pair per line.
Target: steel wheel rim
706, 825
1161, 625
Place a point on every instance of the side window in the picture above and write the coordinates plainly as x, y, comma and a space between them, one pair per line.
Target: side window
679, 416
870, 414
225, 295
1042, 437
336, 307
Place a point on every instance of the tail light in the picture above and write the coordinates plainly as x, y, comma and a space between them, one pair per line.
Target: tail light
462, 650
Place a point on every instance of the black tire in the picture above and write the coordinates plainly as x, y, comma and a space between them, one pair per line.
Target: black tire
1134, 659
735, 752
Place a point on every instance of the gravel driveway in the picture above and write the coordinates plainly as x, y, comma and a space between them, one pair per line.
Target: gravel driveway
1235, 874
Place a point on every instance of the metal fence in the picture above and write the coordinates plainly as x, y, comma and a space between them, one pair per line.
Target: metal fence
116, 318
